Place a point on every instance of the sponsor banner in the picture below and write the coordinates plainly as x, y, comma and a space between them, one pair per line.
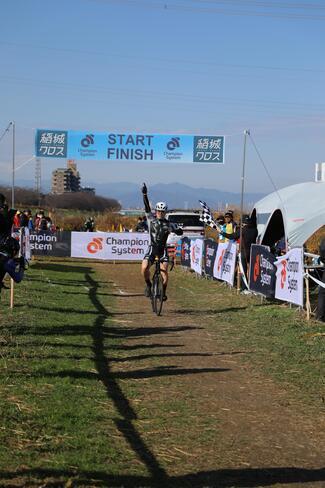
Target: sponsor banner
197, 255
121, 246
225, 262
262, 271
210, 251
134, 147
186, 252
289, 277
25, 247
46, 243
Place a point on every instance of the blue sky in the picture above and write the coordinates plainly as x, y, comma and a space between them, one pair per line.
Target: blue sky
178, 66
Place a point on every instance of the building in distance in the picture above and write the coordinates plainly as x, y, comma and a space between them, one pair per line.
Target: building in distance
67, 180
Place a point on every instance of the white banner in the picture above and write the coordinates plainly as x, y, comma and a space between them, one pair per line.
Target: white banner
196, 255
124, 246
225, 262
289, 277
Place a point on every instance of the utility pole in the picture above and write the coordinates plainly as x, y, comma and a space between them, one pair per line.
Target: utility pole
38, 174
13, 165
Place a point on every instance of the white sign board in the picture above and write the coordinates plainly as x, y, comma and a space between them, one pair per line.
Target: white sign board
196, 255
290, 277
225, 262
124, 246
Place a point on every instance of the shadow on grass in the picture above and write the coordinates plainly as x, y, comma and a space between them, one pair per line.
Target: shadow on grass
64, 268
216, 311
136, 374
223, 478
87, 330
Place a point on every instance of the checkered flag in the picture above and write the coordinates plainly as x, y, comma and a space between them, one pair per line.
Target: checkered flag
206, 216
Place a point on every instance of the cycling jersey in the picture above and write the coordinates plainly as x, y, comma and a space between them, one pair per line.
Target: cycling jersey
159, 230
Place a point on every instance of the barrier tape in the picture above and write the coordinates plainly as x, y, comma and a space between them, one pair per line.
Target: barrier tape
320, 283
241, 269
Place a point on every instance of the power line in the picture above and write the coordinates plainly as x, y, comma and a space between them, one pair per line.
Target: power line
265, 168
167, 5
5, 131
277, 105
265, 4
176, 61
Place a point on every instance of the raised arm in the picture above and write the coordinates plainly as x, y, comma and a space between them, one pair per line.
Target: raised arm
145, 198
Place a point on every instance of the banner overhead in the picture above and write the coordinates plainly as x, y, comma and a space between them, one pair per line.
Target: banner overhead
130, 147
290, 277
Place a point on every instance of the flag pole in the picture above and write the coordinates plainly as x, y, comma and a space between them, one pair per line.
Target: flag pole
13, 200
246, 133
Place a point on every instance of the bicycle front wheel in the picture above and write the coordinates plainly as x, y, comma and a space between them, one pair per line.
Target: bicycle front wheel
158, 294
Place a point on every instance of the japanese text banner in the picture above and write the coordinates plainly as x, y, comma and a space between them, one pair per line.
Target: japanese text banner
130, 147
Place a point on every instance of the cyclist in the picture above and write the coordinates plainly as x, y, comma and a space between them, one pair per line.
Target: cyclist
159, 228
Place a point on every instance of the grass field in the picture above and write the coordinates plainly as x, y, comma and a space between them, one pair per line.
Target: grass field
69, 419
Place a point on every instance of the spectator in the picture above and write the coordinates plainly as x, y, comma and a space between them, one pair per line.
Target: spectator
139, 227
145, 224
16, 221
229, 227
24, 218
9, 262
320, 313
142, 225
249, 235
89, 225
42, 222
6, 218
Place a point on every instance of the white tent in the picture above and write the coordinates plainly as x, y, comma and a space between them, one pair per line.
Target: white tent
295, 212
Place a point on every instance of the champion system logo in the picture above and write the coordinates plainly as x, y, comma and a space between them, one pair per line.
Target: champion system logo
256, 268
283, 273
95, 245
88, 140
220, 260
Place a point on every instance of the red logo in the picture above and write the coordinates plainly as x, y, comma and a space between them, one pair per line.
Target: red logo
220, 260
95, 245
256, 268
283, 272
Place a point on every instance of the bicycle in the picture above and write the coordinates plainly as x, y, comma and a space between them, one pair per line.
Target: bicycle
157, 289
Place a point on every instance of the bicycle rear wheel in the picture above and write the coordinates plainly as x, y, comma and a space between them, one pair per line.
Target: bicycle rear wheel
158, 294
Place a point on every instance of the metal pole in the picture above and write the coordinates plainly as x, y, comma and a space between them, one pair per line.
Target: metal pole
246, 133
13, 201
13, 166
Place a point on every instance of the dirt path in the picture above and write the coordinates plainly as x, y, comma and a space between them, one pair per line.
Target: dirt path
204, 416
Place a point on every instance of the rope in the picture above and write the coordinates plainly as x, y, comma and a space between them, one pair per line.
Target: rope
320, 283
242, 271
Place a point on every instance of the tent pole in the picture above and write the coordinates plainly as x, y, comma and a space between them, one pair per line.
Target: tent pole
246, 133
308, 307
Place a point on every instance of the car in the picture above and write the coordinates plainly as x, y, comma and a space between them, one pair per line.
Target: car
188, 221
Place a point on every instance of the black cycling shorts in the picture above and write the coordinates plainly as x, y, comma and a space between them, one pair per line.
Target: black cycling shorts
151, 254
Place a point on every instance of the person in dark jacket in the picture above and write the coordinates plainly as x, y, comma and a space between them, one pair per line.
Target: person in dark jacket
320, 313
249, 235
6, 218
10, 262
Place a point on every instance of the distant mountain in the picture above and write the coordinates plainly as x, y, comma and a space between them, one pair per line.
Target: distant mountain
176, 195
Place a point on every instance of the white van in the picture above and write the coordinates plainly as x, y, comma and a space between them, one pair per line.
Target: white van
188, 221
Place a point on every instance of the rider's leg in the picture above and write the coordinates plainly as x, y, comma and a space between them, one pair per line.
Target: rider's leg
145, 271
164, 274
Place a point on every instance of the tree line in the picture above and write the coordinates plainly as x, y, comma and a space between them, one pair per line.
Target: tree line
25, 197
